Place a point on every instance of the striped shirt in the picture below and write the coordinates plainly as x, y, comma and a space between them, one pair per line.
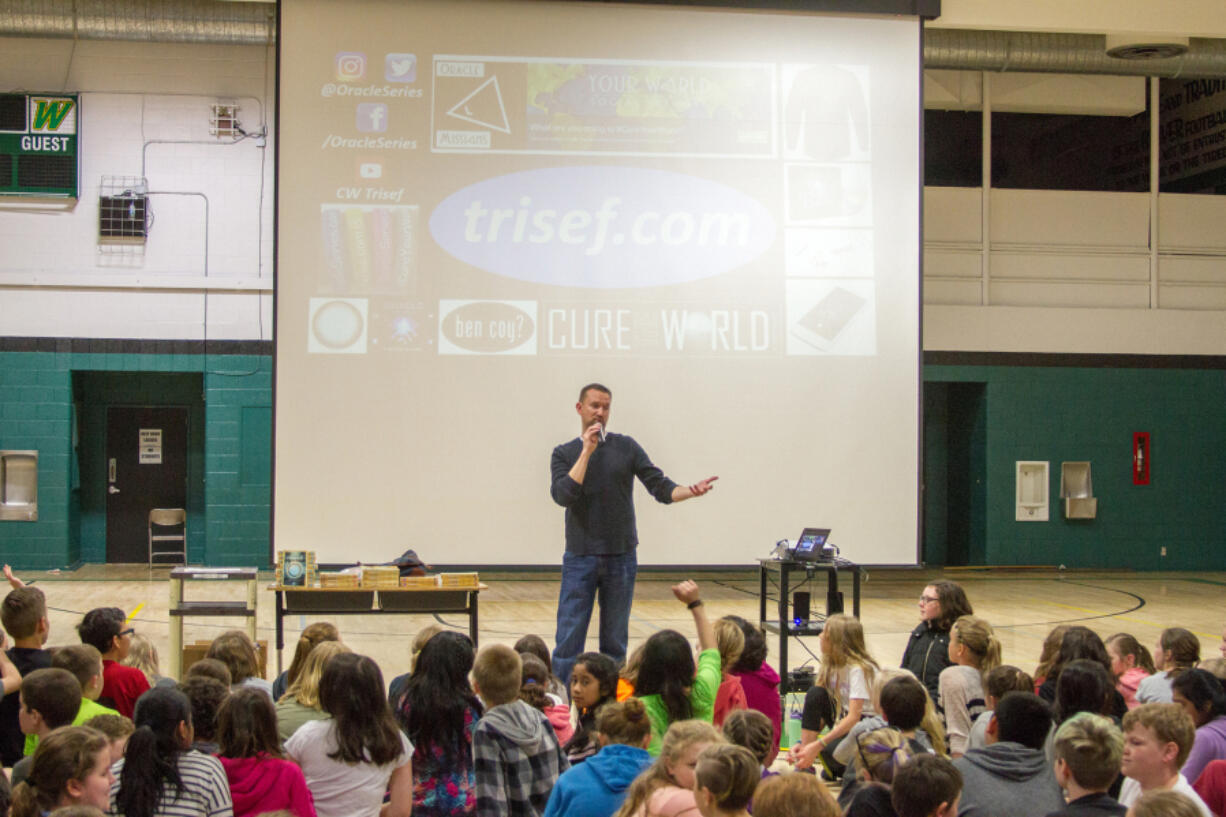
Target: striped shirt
205, 793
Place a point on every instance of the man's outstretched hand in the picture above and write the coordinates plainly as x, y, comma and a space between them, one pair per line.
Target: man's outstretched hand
702, 486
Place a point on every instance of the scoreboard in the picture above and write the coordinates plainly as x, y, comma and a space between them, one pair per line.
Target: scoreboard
38, 145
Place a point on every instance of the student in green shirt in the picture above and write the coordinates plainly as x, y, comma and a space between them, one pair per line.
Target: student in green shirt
669, 684
85, 663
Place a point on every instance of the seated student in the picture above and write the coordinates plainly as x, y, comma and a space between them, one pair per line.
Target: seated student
24, 615
160, 775
234, 649
50, 699
973, 651
927, 651
71, 767
1048, 655
724, 781
536, 645
85, 664
117, 729
759, 679
753, 730
312, 636
1088, 749
1084, 686
516, 755
839, 697
397, 686
903, 701
997, 684
351, 759
1130, 664
628, 675
206, 696
926, 786
1164, 804
730, 696
1081, 643
1157, 739
300, 704
1202, 697
1177, 650
1211, 786
1011, 774
597, 787
533, 690
144, 656
666, 788
107, 630
593, 683
439, 713
794, 795
211, 668
879, 755
669, 682
261, 779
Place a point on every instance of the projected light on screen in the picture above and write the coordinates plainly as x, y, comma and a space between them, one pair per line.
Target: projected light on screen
484, 205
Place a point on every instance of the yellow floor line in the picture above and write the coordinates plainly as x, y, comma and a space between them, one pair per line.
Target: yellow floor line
133, 614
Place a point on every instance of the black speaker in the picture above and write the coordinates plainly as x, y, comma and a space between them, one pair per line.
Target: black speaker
800, 606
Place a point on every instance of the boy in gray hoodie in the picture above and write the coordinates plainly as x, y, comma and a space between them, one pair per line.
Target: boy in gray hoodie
515, 750
1011, 774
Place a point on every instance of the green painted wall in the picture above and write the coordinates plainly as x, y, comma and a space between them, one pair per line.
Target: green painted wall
1070, 414
231, 427
978, 421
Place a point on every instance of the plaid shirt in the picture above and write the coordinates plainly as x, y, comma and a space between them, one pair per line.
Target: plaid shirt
517, 760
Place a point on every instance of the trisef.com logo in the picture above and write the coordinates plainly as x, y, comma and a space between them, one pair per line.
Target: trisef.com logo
350, 65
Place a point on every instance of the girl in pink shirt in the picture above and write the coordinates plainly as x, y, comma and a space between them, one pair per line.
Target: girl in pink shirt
1130, 664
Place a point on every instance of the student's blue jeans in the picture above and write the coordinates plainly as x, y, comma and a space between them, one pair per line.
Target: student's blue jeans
608, 579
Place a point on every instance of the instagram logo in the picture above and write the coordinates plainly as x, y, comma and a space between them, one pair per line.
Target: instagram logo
350, 65
372, 116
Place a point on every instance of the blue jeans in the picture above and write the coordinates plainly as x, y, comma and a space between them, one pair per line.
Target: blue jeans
607, 578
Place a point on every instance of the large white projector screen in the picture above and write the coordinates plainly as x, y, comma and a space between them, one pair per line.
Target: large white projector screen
485, 205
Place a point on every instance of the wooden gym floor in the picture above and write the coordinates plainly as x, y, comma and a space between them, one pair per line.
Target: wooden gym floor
1022, 604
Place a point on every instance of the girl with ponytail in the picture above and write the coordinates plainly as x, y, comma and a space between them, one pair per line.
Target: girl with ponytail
974, 651
71, 767
879, 754
1131, 663
160, 775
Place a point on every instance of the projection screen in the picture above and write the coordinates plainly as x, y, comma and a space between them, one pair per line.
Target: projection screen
485, 205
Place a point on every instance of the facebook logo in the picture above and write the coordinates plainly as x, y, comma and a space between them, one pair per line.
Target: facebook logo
372, 116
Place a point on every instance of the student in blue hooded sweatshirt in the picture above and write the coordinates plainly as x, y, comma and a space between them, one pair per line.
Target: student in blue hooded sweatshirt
597, 787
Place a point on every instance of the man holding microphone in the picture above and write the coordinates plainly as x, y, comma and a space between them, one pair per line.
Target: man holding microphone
593, 478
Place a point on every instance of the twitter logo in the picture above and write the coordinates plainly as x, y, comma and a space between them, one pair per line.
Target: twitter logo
400, 68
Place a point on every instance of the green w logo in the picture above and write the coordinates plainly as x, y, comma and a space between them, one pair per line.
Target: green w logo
50, 113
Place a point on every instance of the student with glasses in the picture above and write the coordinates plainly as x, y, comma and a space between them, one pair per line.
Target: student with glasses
106, 628
927, 652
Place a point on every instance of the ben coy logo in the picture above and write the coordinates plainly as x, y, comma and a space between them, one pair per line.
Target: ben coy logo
53, 114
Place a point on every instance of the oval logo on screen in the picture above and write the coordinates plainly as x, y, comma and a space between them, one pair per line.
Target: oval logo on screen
603, 227
487, 326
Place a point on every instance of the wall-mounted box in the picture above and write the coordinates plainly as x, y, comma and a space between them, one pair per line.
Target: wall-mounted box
1077, 491
19, 486
1032, 494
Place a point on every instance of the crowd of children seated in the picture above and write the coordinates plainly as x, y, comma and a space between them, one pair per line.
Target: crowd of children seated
1101, 728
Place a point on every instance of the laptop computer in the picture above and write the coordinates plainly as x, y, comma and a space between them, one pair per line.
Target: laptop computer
810, 547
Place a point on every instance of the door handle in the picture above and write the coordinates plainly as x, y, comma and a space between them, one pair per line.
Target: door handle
111, 489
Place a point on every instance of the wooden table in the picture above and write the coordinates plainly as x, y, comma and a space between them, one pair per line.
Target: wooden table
363, 601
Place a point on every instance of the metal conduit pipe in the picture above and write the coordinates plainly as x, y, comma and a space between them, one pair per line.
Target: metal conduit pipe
169, 21
228, 23
1062, 54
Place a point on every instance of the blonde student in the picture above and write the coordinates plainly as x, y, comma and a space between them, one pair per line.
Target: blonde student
973, 651
840, 696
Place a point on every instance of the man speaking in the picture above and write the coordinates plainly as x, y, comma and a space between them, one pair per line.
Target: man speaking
593, 478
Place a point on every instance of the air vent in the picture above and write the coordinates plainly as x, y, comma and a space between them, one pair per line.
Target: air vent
123, 212
1152, 47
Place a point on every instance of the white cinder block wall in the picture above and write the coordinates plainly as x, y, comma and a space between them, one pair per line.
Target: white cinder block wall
145, 111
